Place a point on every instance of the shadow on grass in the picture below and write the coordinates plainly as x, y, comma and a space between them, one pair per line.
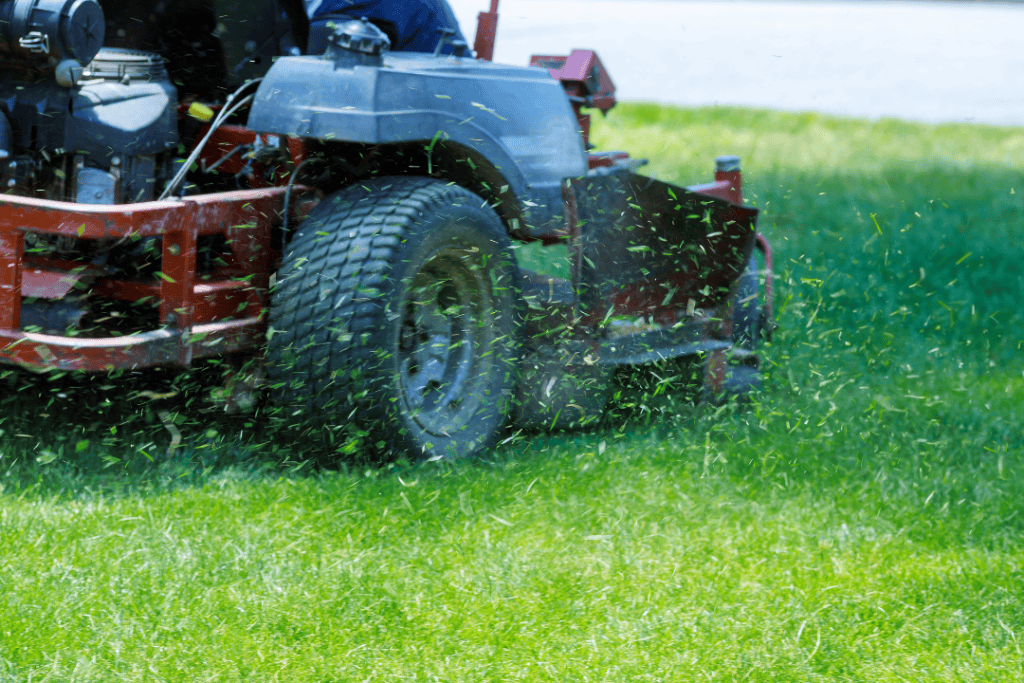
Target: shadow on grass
68, 433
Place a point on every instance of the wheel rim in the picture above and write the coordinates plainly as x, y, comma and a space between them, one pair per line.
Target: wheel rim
444, 331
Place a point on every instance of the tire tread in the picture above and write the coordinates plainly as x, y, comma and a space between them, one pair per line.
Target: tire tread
336, 268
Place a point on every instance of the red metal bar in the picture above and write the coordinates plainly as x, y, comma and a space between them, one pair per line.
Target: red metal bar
720, 189
12, 251
178, 279
734, 180
225, 299
144, 219
486, 33
609, 159
728, 183
222, 297
147, 349
178, 271
202, 318
230, 147
47, 284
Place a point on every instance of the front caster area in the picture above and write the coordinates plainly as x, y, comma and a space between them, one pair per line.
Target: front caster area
397, 311
738, 376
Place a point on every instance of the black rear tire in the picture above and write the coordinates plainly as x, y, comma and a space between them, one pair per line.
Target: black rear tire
396, 310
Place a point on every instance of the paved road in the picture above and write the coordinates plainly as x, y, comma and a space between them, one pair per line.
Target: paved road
923, 61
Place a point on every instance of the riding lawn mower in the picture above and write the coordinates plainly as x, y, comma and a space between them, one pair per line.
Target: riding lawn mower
187, 180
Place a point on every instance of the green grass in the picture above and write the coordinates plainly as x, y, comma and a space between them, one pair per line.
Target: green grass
861, 520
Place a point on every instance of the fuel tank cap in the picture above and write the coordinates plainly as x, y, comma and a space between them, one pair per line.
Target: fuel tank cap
360, 36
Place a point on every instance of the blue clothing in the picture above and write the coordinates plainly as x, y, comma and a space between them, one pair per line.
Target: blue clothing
411, 25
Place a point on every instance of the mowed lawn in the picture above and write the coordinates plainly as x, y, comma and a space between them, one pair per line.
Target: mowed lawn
861, 520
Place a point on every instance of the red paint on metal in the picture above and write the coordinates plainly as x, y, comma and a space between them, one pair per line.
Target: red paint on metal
729, 190
178, 272
225, 299
735, 182
606, 159
47, 284
486, 33
202, 318
585, 80
665, 297
12, 251
92, 221
583, 121
584, 69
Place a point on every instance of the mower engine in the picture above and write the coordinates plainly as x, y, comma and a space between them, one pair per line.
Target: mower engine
79, 122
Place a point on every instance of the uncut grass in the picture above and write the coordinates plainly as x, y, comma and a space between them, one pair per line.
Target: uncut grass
861, 520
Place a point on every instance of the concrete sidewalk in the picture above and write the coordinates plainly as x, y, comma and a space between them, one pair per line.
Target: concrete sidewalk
922, 61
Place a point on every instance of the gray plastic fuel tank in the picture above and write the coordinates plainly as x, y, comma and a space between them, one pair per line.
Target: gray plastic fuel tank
518, 118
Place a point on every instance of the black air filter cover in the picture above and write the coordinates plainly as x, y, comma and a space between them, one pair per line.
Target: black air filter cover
52, 30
